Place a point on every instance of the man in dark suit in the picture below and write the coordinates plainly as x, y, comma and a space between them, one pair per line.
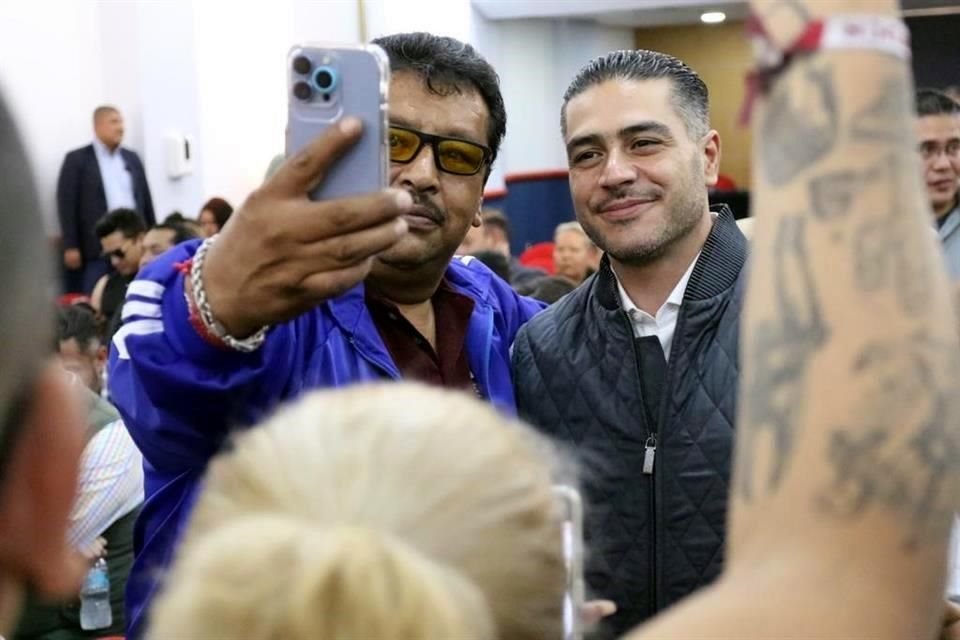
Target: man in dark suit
95, 179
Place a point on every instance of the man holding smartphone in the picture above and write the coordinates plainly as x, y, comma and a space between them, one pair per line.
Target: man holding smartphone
296, 294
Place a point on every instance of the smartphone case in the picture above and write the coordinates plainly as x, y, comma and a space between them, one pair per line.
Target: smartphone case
363, 78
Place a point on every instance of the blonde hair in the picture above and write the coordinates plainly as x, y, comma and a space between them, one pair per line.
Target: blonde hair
385, 511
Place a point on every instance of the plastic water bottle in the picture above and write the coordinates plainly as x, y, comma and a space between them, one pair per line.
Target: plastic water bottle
95, 610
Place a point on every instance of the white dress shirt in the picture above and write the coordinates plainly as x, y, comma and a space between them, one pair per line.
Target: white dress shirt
664, 323
110, 484
117, 181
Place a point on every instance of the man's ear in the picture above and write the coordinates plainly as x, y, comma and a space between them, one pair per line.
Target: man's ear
711, 158
477, 220
38, 489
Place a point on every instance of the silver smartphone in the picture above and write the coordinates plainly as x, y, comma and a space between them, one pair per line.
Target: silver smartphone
571, 514
327, 83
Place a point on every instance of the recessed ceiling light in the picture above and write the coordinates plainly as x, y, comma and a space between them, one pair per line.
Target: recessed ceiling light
713, 17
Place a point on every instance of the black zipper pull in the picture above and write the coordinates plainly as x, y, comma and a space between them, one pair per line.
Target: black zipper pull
649, 454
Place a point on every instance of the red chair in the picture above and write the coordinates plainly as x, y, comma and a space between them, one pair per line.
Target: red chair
68, 299
725, 183
539, 256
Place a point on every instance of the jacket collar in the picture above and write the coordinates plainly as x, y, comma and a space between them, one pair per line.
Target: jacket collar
950, 224
350, 309
721, 259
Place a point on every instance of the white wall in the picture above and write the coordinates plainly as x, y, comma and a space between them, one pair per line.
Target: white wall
169, 100
50, 73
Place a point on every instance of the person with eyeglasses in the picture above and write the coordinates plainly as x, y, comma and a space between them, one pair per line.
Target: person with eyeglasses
938, 143
121, 237
295, 294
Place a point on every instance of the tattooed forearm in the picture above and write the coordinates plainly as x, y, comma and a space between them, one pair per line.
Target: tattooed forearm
799, 131
880, 120
883, 261
781, 350
901, 451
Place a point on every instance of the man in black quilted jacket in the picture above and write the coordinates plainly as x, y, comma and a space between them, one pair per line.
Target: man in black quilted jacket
637, 369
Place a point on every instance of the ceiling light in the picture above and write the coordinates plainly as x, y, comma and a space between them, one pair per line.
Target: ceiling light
713, 17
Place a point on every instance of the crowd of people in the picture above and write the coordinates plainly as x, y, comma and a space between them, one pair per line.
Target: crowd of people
366, 418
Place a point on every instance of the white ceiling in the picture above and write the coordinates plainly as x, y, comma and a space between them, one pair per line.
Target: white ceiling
652, 13
623, 13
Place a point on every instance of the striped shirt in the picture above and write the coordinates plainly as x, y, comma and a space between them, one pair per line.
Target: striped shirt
110, 484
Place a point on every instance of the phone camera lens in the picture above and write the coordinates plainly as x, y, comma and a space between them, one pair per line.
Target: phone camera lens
324, 79
302, 91
302, 65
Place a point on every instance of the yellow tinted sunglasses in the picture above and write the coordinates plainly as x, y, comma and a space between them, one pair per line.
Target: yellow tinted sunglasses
453, 155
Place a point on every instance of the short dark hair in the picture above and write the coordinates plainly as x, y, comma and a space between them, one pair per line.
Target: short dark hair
103, 110
220, 209
78, 323
551, 288
691, 99
181, 232
450, 66
27, 267
126, 221
496, 262
931, 102
494, 218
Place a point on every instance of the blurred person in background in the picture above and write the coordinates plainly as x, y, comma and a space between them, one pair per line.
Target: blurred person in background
121, 240
938, 144
575, 256
213, 215
497, 230
82, 351
163, 237
549, 289
94, 180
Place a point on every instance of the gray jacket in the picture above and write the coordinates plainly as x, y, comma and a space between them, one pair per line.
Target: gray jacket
949, 234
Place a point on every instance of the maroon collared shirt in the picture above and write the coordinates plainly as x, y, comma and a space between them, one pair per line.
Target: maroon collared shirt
447, 366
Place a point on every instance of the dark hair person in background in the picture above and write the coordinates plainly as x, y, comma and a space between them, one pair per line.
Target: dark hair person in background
41, 421
121, 238
162, 238
496, 261
354, 289
938, 145
213, 215
82, 352
549, 289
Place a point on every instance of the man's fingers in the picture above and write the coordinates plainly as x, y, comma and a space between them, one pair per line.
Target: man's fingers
317, 221
349, 249
329, 284
308, 167
596, 610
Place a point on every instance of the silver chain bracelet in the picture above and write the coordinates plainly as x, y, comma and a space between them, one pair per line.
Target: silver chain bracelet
247, 345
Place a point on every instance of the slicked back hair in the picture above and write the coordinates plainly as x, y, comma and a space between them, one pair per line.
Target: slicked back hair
690, 96
27, 266
450, 66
